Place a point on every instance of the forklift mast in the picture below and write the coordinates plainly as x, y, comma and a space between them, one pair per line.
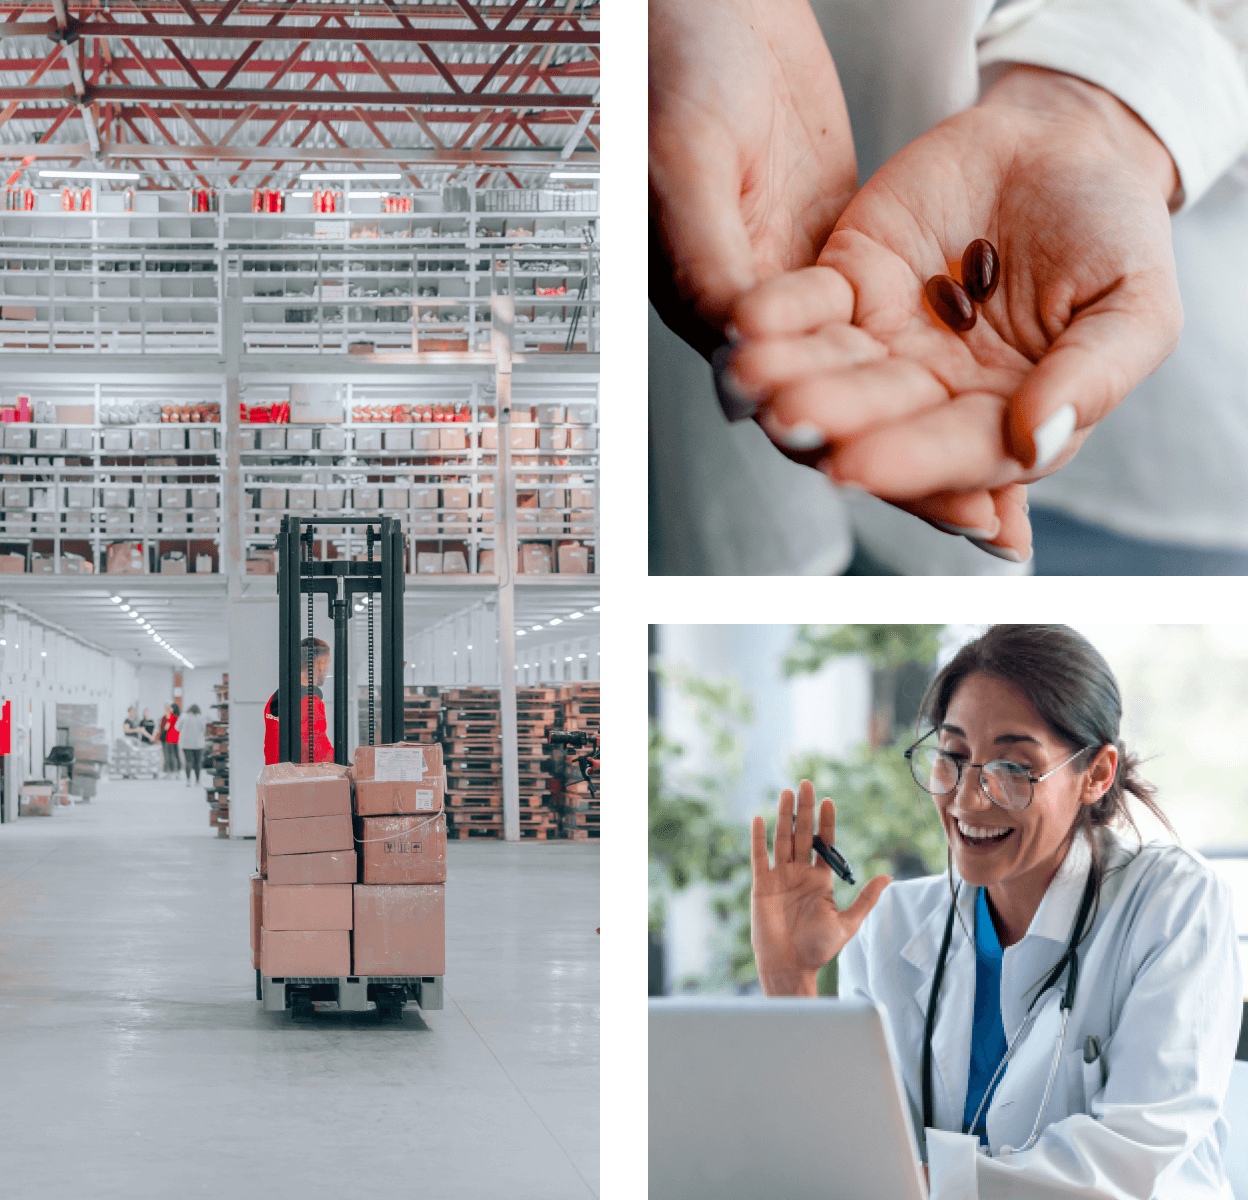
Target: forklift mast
299, 575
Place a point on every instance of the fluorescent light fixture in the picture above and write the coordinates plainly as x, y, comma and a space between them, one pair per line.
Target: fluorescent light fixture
75, 173
568, 175
519, 633
349, 175
43, 654
537, 628
596, 608
568, 659
115, 599
575, 616
125, 608
555, 621
580, 656
3, 642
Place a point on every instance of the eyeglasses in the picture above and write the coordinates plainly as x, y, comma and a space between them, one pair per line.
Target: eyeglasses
1007, 784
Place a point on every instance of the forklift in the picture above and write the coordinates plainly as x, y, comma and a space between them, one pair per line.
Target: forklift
380, 580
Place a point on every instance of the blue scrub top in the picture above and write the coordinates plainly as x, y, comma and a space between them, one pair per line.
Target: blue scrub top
988, 1042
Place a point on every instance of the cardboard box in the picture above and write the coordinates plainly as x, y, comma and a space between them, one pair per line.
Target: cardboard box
523, 439
393, 497
549, 414
329, 499
424, 497
489, 437
397, 439
290, 790
203, 564
552, 439
331, 866
115, 497
581, 521
306, 906
485, 562
173, 563
582, 439
301, 498
261, 562
303, 952
581, 497
552, 497
17, 439
368, 439
201, 439
403, 849
48, 439
452, 439
17, 497
298, 439
272, 498
573, 559
400, 929
81, 440
12, 564
581, 414
314, 402
425, 439
203, 497
17, 312
428, 563
389, 797
142, 440
366, 497
273, 439
308, 835
454, 562
455, 497
255, 921
126, 558
535, 559
332, 439
116, 439
173, 497
172, 439
401, 762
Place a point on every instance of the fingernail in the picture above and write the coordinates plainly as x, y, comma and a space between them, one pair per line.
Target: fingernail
960, 531
1026, 508
1000, 551
825, 466
1053, 435
805, 435
732, 333
736, 402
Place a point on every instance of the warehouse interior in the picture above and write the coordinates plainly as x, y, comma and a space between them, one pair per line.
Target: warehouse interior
328, 263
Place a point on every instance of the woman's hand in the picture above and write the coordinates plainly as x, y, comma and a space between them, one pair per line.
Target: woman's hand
751, 155
1072, 190
795, 926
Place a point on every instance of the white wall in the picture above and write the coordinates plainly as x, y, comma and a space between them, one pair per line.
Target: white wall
154, 689
197, 688
253, 679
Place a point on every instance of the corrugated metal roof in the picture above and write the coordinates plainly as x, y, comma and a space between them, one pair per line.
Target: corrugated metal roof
212, 57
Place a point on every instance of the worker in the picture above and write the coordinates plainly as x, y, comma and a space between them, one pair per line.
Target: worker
323, 750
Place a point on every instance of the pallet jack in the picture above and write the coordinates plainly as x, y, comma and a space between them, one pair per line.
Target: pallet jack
380, 581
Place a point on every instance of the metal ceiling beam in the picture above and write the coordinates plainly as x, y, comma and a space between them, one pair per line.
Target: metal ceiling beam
232, 113
585, 68
219, 12
402, 155
113, 91
290, 33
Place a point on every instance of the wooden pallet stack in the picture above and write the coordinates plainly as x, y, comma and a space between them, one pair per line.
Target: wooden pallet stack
217, 760
471, 735
578, 809
536, 713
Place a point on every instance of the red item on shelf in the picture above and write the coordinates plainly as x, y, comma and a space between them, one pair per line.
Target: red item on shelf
67, 200
257, 200
127, 200
30, 199
86, 199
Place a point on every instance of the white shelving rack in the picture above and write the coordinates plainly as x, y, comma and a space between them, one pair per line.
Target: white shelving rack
154, 280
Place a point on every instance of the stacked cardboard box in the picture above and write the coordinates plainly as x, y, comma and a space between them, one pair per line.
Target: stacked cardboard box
301, 898
217, 760
471, 734
352, 866
76, 727
36, 798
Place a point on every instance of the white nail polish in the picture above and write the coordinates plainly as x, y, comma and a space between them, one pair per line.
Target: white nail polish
959, 531
805, 435
1052, 436
735, 401
1000, 551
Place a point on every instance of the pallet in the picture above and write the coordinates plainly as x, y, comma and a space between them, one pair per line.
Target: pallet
419, 723
525, 713
578, 804
530, 730
470, 693
472, 729
466, 783
580, 821
481, 798
466, 765
581, 835
577, 708
545, 695
475, 831
420, 704
471, 748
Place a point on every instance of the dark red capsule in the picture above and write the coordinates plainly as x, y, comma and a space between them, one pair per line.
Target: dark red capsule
981, 270
950, 303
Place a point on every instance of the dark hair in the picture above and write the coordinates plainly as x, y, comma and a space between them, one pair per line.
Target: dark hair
177, 712
195, 709
1073, 689
319, 648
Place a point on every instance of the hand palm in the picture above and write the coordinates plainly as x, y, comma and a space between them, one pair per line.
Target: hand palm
1081, 248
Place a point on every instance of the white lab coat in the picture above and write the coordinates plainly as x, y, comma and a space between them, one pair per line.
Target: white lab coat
725, 502
1159, 986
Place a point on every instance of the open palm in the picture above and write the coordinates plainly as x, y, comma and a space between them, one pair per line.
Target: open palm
1086, 307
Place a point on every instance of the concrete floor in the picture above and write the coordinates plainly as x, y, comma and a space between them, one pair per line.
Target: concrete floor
135, 1061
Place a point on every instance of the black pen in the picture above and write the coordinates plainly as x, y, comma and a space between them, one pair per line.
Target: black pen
830, 855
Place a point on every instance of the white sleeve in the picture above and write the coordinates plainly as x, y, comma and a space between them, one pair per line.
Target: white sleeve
1169, 1065
1181, 70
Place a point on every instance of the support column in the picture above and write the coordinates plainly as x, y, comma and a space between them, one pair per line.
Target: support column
505, 563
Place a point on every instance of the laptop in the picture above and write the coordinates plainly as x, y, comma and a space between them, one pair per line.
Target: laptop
780, 1098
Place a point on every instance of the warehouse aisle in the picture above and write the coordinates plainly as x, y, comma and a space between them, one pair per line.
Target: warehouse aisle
139, 1063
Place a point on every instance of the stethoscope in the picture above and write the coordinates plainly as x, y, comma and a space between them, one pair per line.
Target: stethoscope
1068, 1000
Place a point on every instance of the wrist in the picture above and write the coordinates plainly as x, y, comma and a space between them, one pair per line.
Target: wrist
1062, 96
788, 981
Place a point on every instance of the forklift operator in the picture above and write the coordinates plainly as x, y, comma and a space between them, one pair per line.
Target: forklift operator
322, 747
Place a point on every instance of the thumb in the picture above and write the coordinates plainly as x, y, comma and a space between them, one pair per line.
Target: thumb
695, 184
857, 912
1087, 373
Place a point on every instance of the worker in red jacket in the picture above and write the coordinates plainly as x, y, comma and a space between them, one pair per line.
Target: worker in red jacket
323, 750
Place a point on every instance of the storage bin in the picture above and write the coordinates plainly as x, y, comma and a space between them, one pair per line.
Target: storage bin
298, 439
397, 439
172, 439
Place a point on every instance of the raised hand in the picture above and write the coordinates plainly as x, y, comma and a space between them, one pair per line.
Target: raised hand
795, 925
751, 156
1072, 190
